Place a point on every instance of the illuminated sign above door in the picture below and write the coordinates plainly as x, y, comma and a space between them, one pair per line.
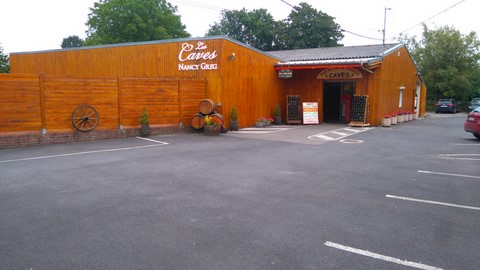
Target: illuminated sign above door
339, 74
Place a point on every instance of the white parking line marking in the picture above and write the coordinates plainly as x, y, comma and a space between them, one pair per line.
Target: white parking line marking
450, 174
80, 153
433, 202
380, 256
330, 135
151, 140
259, 130
353, 130
466, 144
459, 156
340, 133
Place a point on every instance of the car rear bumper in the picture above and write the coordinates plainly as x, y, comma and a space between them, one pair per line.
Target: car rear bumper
445, 109
472, 127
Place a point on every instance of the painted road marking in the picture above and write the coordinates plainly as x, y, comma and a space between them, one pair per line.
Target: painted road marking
86, 152
380, 256
151, 140
350, 141
338, 134
264, 130
466, 144
450, 174
459, 156
433, 202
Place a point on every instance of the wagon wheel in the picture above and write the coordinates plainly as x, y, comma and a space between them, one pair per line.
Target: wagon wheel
85, 118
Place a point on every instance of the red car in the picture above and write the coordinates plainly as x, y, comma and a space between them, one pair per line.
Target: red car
472, 124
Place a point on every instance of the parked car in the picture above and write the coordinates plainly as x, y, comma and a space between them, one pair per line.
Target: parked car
472, 124
474, 103
447, 105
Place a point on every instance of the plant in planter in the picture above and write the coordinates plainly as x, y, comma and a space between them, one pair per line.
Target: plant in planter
212, 126
277, 113
144, 123
386, 121
234, 119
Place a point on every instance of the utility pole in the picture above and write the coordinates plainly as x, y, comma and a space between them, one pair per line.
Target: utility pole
384, 27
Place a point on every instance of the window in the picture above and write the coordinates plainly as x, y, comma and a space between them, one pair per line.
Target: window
400, 100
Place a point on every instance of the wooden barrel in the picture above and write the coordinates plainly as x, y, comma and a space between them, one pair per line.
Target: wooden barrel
207, 106
217, 116
197, 121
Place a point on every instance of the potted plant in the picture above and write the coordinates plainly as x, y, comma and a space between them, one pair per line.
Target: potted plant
277, 113
261, 122
212, 126
144, 123
387, 121
234, 119
394, 118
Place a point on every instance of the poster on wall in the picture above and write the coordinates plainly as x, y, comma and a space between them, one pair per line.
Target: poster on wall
310, 113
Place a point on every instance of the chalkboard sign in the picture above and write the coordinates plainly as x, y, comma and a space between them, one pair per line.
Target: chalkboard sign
359, 111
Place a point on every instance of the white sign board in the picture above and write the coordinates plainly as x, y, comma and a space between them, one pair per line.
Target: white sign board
310, 113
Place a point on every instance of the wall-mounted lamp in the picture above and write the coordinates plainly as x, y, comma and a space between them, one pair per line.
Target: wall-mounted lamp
232, 57
402, 87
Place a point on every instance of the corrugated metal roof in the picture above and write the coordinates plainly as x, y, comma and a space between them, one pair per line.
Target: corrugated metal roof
334, 53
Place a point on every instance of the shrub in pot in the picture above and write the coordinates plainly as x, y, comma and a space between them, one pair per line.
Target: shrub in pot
277, 113
144, 123
234, 119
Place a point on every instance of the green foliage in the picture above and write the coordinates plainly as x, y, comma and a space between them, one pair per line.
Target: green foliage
234, 113
276, 110
449, 62
4, 62
72, 42
144, 118
117, 21
304, 28
256, 28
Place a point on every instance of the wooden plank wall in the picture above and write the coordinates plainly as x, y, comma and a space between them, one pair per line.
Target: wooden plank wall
248, 82
19, 102
159, 96
190, 93
397, 70
33, 102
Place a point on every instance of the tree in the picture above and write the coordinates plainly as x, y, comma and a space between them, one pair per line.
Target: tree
4, 62
256, 28
448, 61
306, 27
117, 21
72, 42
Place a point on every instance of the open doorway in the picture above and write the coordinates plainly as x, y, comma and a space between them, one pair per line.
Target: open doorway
337, 97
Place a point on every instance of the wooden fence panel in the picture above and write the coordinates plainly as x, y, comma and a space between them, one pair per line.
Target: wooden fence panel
63, 95
19, 102
33, 102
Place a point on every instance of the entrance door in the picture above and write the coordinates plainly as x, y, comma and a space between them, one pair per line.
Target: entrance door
337, 97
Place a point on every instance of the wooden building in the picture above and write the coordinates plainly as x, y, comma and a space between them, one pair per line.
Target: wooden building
170, 78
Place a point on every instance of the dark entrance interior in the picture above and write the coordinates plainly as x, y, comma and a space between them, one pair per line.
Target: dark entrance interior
337, 98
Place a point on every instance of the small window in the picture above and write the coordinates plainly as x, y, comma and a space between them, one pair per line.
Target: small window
400, 100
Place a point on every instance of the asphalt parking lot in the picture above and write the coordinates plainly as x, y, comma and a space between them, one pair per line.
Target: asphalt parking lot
287, 197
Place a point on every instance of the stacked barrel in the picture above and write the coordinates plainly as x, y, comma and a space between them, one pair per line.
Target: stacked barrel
206, 107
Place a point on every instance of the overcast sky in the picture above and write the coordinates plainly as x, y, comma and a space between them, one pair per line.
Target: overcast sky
35, 25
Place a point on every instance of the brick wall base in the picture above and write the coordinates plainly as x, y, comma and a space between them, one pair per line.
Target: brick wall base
31, 138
